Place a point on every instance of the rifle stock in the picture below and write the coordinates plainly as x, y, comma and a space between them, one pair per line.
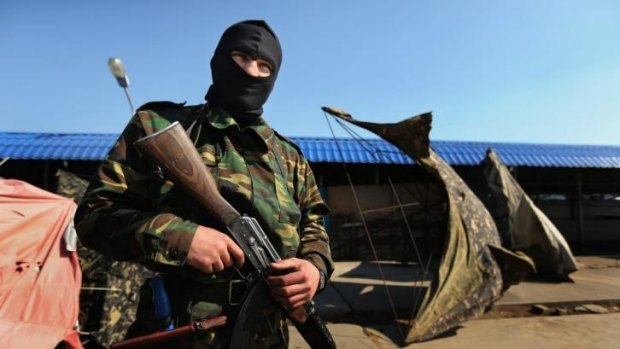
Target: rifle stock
174, 152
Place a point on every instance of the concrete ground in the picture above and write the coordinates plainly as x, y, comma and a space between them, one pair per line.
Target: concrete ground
575, 332
359, 315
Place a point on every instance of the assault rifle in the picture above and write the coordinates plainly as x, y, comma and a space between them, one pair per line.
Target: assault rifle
173, 151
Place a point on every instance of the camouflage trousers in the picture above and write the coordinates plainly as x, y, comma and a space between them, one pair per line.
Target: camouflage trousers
192, 300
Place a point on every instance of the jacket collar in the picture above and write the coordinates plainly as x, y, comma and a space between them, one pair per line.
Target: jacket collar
221, 120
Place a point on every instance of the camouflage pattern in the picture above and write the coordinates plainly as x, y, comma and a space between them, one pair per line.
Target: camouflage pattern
70, 185
132, 212
469, 278
109, 296
108, 299
526, 227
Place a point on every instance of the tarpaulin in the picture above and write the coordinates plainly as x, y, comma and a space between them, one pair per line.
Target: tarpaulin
527, 228
108, 301
39, 278
474, 267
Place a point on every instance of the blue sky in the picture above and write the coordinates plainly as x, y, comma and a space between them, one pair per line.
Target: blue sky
509, 71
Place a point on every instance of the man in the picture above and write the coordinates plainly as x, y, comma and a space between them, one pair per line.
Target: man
132, 212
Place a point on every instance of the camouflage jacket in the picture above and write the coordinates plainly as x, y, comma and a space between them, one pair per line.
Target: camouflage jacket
132, 212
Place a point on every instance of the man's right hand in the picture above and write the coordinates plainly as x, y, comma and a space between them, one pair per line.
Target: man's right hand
212, 251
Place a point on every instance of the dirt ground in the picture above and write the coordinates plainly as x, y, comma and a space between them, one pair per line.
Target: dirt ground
556, 309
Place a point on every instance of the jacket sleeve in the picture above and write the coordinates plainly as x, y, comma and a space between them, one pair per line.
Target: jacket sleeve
314, 241
116, 217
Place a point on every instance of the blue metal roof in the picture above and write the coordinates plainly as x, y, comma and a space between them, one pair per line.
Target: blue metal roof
55, 146
80, 146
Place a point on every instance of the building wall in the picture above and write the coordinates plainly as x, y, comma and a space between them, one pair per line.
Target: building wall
384, 210
583, 203
592, 222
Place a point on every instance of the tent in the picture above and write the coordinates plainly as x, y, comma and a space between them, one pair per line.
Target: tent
526, 228
40, 275
109, 296
474, 269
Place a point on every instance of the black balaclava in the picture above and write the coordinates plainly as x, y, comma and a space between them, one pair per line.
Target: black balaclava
238, 93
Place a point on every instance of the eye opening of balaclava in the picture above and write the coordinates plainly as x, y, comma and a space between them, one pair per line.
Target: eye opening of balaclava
235, 91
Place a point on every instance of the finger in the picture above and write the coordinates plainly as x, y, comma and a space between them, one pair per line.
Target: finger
299, 303
292, 302
289, 291
286, 264
236, 252
226, 258
218, 266
206, 268
285, 280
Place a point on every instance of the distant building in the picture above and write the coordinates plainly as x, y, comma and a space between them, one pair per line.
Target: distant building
577, 186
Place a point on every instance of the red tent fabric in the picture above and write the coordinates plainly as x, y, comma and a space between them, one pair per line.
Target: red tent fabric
39, 278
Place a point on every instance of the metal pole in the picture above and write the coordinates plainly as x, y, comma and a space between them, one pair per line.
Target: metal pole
117, 68
129, 100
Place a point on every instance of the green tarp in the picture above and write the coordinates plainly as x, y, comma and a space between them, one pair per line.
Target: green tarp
470, 277
525, 227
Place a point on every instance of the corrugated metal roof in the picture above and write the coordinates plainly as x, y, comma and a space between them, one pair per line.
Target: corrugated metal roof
55, 146
80, 146
351, 150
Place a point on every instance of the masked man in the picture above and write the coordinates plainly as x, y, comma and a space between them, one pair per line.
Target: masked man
132, 212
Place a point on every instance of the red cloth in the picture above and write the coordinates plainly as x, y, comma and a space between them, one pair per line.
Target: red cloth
39, 279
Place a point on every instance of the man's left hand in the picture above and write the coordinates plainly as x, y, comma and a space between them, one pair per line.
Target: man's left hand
296, 283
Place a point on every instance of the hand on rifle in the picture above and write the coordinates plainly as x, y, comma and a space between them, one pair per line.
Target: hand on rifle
212, 251
296, 283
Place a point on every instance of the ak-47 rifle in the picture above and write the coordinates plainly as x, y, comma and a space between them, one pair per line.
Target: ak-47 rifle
173, 151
